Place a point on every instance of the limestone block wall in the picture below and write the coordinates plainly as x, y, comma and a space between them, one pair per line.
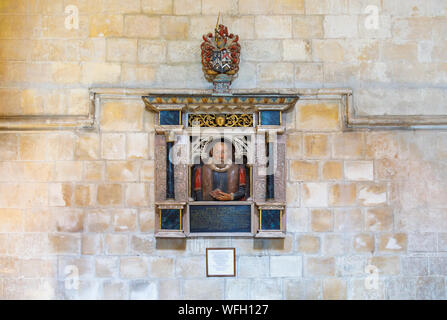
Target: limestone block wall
80, 203
393, 51
77, 207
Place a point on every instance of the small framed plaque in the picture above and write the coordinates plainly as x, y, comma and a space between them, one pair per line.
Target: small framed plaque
220, 262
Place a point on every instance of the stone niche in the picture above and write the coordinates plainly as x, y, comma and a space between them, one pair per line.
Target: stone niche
192, 130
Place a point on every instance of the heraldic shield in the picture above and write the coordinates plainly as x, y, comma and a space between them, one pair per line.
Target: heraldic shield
221, 61
220, 58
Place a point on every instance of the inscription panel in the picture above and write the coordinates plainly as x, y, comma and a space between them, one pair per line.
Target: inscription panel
219, 218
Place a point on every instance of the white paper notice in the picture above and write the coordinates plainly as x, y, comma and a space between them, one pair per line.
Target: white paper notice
221, 262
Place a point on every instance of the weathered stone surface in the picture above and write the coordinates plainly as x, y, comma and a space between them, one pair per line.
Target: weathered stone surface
210, 7
174, 28
133, 268
100, 73
308, 244
157, 6
379, 219
285, 266
393, 242
143, 244
237, 289
118, 116
342, 195
109, 194
93, 171
161, 267
308, 26
332, 170
322, 220
116, 244
64, 244
151, 51
61, 147
125, 220
33, 147
209, 289
269, 289
121, 50
359, 170
142, 26
8, 146
363, 243
335, 245
317, 117
87, 147
91, 244
294, 147
106, 25
68, 171
319, 267
137, 195
113, 146
122, 171
84, 195
373, 195
190, 267
303, 171
316, 146
69, 220
314, 194
143, 290
348, 220
296, 50
169, 289
114, 290
334, 289
273, 27
247, 269
296, 219
340, 26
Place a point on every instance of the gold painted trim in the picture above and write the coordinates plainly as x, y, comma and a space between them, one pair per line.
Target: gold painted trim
181, 214
222, 120
159, 213
280, 220
181, 220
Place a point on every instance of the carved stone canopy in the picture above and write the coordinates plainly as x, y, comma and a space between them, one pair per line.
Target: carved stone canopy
220, 103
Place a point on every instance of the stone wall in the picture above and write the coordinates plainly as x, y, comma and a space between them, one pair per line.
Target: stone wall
81, 201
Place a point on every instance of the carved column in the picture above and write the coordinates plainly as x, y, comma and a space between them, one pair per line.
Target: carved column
270, 178
170, 181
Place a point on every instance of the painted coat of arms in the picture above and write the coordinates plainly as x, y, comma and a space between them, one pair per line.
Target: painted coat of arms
221, 54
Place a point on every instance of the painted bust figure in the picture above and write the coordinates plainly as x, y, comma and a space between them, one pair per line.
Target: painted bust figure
221, 179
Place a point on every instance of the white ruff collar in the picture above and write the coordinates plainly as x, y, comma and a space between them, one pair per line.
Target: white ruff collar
216, 168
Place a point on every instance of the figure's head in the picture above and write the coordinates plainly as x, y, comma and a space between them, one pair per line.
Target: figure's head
221, 153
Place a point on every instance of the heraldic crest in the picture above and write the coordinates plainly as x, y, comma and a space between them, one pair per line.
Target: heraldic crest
221, 54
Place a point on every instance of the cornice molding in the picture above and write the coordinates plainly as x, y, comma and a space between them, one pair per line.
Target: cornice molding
351, 120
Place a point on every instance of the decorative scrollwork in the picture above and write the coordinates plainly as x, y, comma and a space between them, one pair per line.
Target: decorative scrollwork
220, 120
